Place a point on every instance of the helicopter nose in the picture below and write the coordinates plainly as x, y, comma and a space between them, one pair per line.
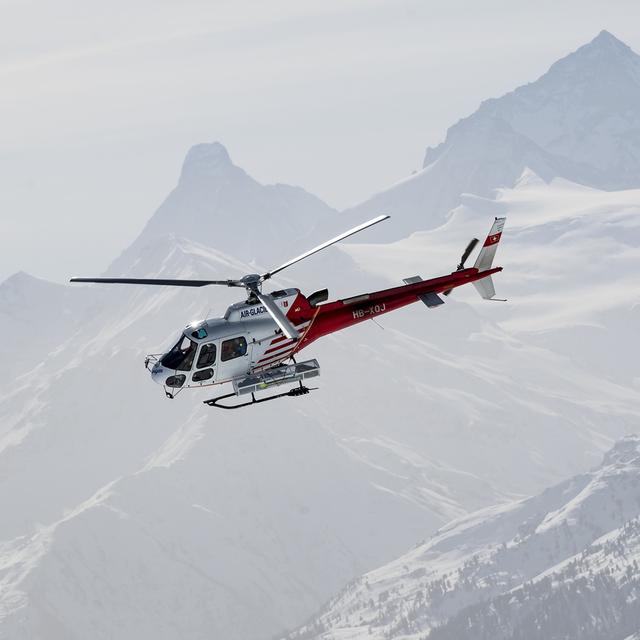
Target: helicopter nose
159, 374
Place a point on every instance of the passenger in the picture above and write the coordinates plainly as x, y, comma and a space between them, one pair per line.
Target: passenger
227, 350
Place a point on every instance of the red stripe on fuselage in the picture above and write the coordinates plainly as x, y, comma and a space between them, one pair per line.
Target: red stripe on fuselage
271, 360
279, 346
276, 356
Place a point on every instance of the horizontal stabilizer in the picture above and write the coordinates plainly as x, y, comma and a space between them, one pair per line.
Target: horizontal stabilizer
430, 299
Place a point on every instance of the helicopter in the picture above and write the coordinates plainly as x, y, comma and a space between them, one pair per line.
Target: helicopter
255, 345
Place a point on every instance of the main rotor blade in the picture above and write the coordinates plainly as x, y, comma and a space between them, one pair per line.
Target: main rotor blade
324, 245
280, 319
160, 281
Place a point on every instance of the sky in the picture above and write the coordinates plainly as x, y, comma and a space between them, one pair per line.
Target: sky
101, 101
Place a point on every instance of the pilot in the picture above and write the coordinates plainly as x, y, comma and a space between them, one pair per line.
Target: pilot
239, 347
233, 348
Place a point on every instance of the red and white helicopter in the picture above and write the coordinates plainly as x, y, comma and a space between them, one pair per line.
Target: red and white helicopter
254, 346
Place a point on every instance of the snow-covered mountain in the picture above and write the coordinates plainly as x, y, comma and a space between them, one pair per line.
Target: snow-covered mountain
130, 515
241, 525
488, 373
579, 121
244, 520
216, 203
562, 564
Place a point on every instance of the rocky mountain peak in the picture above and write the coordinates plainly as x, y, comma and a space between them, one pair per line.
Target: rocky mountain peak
206, 160
611, 66
606, 42
217, 204
625, 452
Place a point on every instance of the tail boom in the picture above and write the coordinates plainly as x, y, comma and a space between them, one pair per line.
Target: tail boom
340, 314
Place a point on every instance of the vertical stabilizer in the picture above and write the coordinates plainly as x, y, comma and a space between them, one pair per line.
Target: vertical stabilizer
488, 251
485, 288
485, 258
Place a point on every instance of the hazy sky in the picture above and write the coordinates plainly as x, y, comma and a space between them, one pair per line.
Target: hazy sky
101, 100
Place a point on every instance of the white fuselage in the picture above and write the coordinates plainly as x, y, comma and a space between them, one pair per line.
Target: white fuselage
219, 350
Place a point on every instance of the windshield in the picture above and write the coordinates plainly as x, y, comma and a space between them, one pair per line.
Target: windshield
181, 356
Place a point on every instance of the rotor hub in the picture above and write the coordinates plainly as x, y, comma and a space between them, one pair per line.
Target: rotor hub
251, 281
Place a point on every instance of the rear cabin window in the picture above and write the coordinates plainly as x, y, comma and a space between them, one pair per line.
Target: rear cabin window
207, 356
233, 348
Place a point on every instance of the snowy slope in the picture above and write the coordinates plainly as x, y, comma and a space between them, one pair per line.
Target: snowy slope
31, 331
530, 569
267, 510
571, 256
231, 529
579, 121
441, 413
593, 594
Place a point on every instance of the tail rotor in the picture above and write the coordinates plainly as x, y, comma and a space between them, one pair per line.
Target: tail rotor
465, 255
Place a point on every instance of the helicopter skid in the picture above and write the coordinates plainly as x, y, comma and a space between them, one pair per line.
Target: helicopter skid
300, 390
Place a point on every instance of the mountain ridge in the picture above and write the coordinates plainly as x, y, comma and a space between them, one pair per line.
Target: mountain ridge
580, 121
241, 525
474, 571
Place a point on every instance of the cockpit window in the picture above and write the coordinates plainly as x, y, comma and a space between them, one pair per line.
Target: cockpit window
233, 348
181, 356
207, 355
199, 333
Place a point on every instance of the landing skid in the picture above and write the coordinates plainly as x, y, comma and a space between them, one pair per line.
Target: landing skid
300, 390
